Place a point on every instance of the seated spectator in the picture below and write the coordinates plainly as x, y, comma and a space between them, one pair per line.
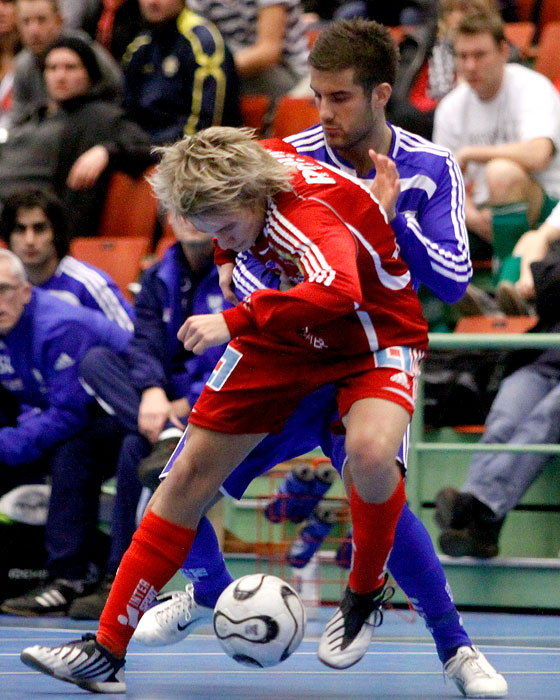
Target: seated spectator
41, 25
503, 125
75, 145
427, 70
526, 411
152, 388
532, 249
267, 40
9, 46
179, 75
118, 22
79, 14
57, 430
33, 224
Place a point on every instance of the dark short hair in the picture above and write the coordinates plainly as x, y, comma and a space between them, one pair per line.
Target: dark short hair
482, 23
364, 45
51, 207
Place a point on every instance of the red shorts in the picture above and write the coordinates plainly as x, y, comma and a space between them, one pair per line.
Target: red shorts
254, 390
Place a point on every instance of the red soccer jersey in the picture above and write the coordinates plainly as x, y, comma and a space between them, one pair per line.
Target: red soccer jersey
352, 292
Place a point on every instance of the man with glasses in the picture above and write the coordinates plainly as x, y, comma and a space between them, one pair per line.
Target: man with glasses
53, 427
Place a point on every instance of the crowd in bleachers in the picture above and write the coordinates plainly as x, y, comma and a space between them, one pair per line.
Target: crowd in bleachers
88, 88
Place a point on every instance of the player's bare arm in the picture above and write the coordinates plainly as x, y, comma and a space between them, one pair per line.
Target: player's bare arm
204, 331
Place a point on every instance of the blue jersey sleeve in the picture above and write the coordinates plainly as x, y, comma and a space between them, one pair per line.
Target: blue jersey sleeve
434, 244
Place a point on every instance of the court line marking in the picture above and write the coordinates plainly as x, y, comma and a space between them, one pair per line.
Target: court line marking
330, 672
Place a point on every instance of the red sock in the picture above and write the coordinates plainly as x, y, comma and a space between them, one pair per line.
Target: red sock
372, 538
158, 549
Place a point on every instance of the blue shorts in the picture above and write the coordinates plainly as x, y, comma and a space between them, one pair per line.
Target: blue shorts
307, 428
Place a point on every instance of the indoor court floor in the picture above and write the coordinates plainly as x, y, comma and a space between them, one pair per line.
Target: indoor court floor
401, 663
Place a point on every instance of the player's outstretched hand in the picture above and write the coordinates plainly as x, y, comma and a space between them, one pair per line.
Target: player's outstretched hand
204, 331
386, 185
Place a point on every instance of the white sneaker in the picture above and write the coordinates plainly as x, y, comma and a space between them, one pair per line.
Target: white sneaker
474, 675
173, 619
349, 631
83, 662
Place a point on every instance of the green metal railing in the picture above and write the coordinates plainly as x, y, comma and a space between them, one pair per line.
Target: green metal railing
469, 341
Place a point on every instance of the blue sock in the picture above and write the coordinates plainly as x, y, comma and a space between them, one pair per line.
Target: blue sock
418, 571
205, 566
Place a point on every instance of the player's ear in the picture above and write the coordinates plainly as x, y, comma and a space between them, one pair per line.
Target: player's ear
380, 95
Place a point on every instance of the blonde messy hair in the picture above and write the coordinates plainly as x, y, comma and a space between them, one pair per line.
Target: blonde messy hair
217, 169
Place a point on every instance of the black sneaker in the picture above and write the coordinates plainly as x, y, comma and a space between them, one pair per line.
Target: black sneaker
51, 599
83, 662
151, 466
454, 509
91, 606
348, 633
470, 542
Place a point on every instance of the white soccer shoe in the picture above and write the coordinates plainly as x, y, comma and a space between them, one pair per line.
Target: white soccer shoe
348, 633
173, 619
474, 675
83, 662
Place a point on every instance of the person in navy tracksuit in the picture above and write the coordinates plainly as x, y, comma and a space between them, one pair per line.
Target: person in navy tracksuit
53, 428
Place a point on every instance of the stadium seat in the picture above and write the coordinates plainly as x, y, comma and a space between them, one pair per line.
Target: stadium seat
165, 242
495, 324
130, 207
118, 256
521, 34
548, 56
549, 12
525, 10
253, 109
292, 115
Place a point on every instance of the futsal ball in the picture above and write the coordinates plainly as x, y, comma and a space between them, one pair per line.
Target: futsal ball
259, 620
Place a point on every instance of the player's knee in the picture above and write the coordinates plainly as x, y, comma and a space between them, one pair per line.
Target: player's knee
507, 181
368, 455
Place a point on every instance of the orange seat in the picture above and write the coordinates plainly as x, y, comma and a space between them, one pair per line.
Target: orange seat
548, 55
118, 256
495, 324
550, 12
525, 9
520, 34
312, 35
130, 207
165, 242
253, 109
293, 114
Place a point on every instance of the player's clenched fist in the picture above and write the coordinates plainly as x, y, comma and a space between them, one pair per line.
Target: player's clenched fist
199, 333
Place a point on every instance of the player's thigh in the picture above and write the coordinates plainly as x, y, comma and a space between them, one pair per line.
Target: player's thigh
374, 430
204, 461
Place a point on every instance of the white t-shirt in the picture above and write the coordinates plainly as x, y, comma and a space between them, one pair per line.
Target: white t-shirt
526, 107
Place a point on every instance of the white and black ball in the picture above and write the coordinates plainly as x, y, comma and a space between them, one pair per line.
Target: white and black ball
259, 620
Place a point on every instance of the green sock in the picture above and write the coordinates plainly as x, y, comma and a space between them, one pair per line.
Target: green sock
509, 223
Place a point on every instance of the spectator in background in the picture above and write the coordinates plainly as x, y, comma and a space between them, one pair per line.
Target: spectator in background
526, 411
118, 22
80, 14
179, 75
267, 38
41, 24
75, 145
9, 46
57, 430
502, 123
152, 388
34, 226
